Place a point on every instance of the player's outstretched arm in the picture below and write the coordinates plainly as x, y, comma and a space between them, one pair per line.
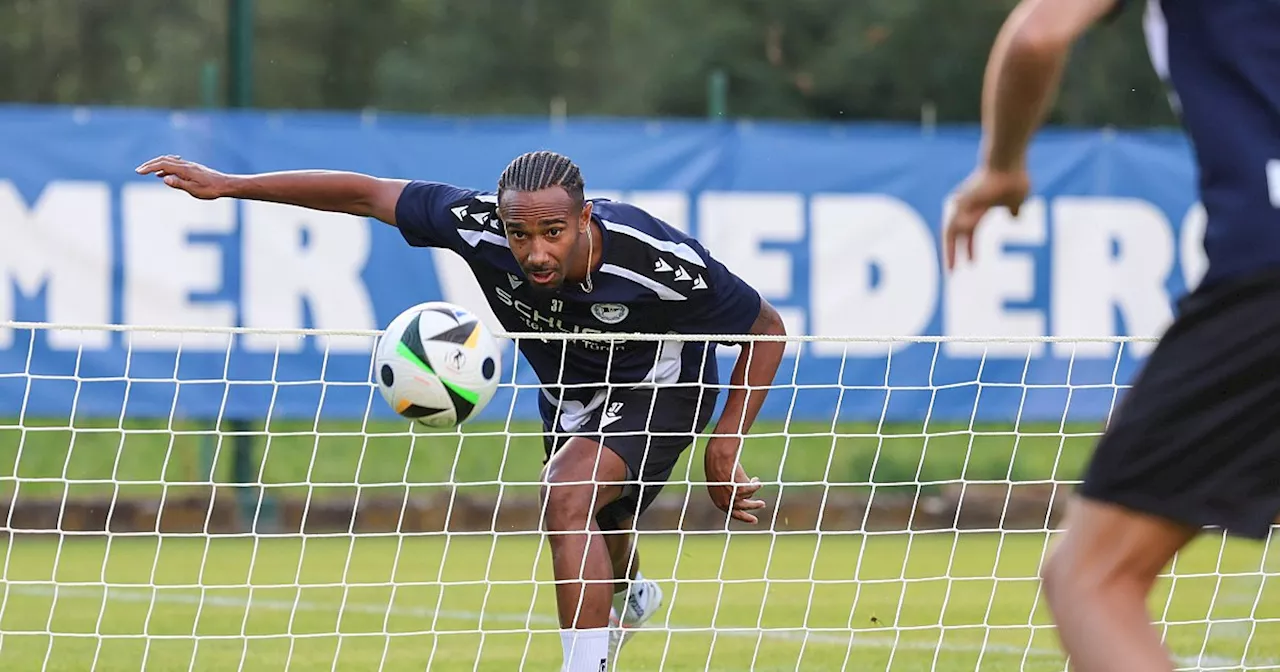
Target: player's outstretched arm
749, 384
1022, 77
333, 191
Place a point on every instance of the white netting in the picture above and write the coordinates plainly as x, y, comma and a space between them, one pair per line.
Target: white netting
247, 502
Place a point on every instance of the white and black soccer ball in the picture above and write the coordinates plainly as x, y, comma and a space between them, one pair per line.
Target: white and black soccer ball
438, 364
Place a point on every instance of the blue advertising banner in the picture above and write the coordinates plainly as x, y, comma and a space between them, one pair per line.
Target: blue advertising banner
837, 225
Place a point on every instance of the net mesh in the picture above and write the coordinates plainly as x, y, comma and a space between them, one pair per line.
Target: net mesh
243, 499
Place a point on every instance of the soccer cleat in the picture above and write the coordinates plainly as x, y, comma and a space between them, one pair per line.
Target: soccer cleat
641, 605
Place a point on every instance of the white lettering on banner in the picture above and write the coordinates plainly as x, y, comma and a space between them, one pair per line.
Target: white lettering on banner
163, 267
1089, 282
602, 193
875, 267
792, 321
976, 291
281, 272
458, 285
854, 238
732, 226
671, 207
63, 245
1195, 263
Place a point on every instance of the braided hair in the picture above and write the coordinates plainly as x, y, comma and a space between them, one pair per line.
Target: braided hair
539, 170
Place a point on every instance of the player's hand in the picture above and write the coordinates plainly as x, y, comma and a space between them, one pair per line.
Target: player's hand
986, 188
193, 178
722, 468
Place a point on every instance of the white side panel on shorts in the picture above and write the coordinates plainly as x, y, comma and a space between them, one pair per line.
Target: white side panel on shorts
573, 414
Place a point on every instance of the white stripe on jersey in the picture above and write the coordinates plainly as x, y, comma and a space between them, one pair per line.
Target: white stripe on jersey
474, 237
1157, 38
679, 249
1157, 32
664, 292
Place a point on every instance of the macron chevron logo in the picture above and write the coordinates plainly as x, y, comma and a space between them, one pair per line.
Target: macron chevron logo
662, 267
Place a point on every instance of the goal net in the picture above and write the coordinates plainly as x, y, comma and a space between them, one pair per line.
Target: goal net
244, 500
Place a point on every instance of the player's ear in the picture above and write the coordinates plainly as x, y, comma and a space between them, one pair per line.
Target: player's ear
584, 220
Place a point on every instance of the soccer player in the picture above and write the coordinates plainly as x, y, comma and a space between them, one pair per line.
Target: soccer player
1196, 442
617, 416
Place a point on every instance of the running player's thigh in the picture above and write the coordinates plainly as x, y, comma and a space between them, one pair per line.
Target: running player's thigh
583, 462
1104, 542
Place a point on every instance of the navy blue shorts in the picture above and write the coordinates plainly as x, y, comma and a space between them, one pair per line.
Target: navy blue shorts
1197, 438
649, 429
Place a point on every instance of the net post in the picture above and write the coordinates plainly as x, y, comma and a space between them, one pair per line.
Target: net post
255, 510
717, 94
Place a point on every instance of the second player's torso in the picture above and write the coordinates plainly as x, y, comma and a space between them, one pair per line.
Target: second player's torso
1223, 59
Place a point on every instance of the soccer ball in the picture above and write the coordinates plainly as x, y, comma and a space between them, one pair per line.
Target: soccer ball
436, 363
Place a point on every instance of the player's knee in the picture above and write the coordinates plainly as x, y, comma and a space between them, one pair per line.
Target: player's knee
567, 504
1055, 575
1070, 574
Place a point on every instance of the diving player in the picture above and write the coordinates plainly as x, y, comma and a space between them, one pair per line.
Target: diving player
550, 260
1196, 442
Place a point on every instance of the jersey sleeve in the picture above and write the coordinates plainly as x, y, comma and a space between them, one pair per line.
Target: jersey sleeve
427, 214
727, 306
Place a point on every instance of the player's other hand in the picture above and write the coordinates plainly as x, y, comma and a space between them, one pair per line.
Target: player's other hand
193, 178
986, 188
722, 469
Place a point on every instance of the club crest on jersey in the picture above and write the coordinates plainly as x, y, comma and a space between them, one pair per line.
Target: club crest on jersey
610, 313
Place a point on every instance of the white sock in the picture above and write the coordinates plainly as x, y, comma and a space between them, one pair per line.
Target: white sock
620, 598
585, 650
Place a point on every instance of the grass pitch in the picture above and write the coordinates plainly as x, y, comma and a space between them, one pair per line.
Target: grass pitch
762, 601
941, 601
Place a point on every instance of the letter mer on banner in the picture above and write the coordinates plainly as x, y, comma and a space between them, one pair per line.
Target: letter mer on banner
837, 225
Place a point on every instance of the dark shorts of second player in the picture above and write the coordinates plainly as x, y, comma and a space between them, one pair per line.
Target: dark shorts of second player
649, 429
1197, 438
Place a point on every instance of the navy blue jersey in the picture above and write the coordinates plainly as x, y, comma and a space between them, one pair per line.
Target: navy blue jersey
1221, 59
652, 279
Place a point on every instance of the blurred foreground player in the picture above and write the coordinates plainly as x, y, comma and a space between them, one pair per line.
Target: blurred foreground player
549, 260
1196, 442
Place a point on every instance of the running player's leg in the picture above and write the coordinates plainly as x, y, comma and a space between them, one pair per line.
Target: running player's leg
1195, 443
650, 429
624, 554
635, 597
1097, 581
581, 478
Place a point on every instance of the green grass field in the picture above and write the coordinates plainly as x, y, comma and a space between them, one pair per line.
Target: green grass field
145, 459
756, 600
914, 602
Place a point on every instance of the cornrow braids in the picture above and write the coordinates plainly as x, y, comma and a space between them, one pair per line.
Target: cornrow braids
535, 171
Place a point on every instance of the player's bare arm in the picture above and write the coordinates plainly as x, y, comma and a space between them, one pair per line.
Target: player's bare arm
756, 366
332, 191
1022, 78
